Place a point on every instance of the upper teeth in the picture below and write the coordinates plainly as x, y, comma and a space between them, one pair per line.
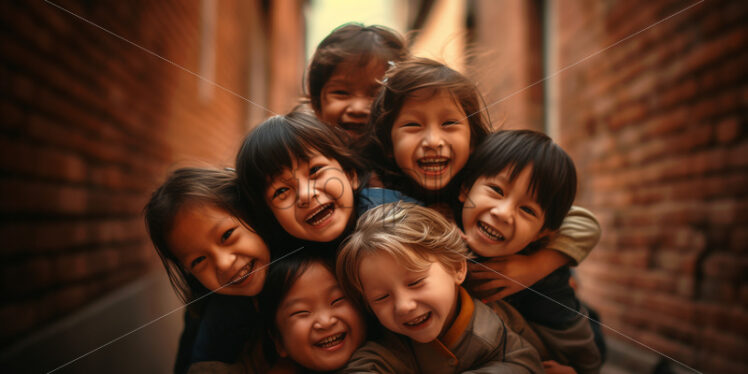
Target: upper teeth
244, 272
331, 339
417, 320
313, 219
490, 231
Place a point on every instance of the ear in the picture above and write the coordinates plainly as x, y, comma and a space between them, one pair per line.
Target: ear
461, 272
354, 180
463, 194
279, 346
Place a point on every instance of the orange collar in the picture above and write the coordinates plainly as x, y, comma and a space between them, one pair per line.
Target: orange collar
453, 334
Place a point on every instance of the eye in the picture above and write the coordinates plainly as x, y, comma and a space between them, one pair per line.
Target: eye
529, 211
227, 234
497, 189
415, 283
280, 192
338, 300
380, 298
450, 123
196, 262
314, 169
298, 313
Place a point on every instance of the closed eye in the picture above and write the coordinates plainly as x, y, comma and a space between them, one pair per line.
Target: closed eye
450, 123
415, 283
410, 124
338, 300
196, 261
298, 313
380, 298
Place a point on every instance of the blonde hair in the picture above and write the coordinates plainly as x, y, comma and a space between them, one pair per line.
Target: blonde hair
414, 235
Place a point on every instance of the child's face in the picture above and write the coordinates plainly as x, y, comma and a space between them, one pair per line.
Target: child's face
501, 217
418, 305
314, 201
215, 247
345, 99
319, 328
431, 138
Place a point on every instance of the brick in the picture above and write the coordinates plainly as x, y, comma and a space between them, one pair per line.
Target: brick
728, 131
725, 265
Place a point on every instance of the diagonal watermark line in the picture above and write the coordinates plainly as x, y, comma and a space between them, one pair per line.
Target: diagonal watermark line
587, 317
584, 59
160, 57
165, 315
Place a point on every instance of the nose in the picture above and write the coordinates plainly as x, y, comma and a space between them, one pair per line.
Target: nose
224, 261
503, 211
325, 320
433, 138
404, 305
359, 107
305, 193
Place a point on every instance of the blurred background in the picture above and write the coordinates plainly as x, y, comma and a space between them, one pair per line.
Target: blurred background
101, 98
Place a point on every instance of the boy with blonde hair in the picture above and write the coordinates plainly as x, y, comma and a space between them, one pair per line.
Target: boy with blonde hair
405, 263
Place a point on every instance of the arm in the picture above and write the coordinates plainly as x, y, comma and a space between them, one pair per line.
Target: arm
373, 357
500, 277
578, 234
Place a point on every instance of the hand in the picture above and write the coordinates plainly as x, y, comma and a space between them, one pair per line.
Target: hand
500, 277
553, 367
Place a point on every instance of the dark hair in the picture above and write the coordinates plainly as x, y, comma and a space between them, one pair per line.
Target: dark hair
272, 147
184, 187
399, 84
554, 177
347, 42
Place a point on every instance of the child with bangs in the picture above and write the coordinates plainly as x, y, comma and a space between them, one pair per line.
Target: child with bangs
296, 172
312, 324
405, 263
344, 74
425, 122
216, 263
517, 194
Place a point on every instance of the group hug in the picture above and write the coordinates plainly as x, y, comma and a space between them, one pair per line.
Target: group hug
384, 225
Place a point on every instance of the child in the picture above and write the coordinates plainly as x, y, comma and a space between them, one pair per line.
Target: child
406, 263
300, 175
518, 188
309, 318
425, 122
192, 221
345, 70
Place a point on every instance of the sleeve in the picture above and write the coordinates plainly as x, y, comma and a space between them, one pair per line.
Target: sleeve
574, 346
373, 357
513, 354
578, 234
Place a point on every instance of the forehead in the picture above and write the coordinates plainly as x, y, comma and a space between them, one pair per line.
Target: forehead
428, 94
193, 223
356, 71
386, 265
315, 281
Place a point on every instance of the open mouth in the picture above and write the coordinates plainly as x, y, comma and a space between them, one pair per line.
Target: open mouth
331, 340
352, 126
321, 214
418, 321
490, 232
433, 164
243, 273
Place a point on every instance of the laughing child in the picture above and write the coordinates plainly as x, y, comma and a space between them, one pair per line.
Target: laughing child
518, 188
406, 263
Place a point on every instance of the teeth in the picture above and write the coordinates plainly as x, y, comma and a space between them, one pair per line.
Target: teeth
418, 320
243, 273
331, 340
433, 163
320, 214
490, 231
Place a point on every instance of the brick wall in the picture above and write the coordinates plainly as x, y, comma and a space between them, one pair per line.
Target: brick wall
90, 125
656, 126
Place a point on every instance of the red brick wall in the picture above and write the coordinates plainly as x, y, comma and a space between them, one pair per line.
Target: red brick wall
91, 124
656, 126
506, 61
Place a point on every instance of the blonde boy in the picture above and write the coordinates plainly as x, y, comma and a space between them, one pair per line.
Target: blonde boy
405, 263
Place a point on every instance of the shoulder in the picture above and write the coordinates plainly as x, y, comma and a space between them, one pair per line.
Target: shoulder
389, 354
